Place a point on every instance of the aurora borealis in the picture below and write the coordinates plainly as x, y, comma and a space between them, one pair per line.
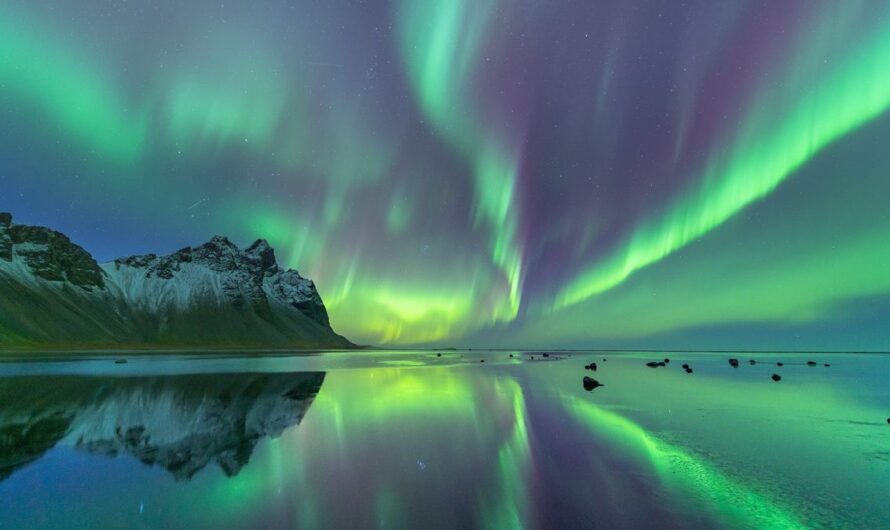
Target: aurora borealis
480, 172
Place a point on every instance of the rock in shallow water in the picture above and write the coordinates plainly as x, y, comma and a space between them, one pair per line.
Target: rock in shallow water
590, 383
777, 377
734, 363
811, 363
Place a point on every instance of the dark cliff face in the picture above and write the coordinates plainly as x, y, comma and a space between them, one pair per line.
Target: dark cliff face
49, 254
5, 238
289, 286
24, 442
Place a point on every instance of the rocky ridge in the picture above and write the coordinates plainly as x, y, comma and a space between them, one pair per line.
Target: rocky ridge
53, 291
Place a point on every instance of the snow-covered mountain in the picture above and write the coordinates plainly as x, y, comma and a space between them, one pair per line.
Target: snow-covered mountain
54, 294
181, 423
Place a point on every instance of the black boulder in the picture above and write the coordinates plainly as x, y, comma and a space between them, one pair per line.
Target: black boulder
590, 383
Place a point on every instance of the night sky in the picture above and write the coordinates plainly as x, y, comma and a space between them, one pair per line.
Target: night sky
699, 174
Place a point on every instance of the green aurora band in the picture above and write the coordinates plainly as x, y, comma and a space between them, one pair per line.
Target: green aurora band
442, 44
68, 91
773, 143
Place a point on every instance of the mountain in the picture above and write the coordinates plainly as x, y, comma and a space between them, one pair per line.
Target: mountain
53, 294
180, 423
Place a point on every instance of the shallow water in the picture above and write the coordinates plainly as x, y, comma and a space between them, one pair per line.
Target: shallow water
412, 440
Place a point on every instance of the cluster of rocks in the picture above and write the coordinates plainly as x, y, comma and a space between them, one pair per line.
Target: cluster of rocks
775, 377
590, 383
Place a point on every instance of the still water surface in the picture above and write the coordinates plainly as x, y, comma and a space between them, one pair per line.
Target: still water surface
413, 440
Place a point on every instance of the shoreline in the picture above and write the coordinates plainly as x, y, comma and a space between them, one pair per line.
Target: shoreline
80, 353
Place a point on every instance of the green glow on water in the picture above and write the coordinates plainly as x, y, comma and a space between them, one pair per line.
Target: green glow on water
511, 504
677, 468
403, 439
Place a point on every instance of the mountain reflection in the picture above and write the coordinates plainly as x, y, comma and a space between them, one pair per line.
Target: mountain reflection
181, 423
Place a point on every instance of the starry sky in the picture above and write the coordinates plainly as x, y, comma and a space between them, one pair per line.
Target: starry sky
507, 173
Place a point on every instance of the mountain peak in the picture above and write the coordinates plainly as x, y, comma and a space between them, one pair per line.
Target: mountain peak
261, 252
259, 244
215, 293
249, 277
221, 241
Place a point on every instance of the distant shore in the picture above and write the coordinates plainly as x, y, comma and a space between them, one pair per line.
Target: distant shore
73, 352
42, 353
